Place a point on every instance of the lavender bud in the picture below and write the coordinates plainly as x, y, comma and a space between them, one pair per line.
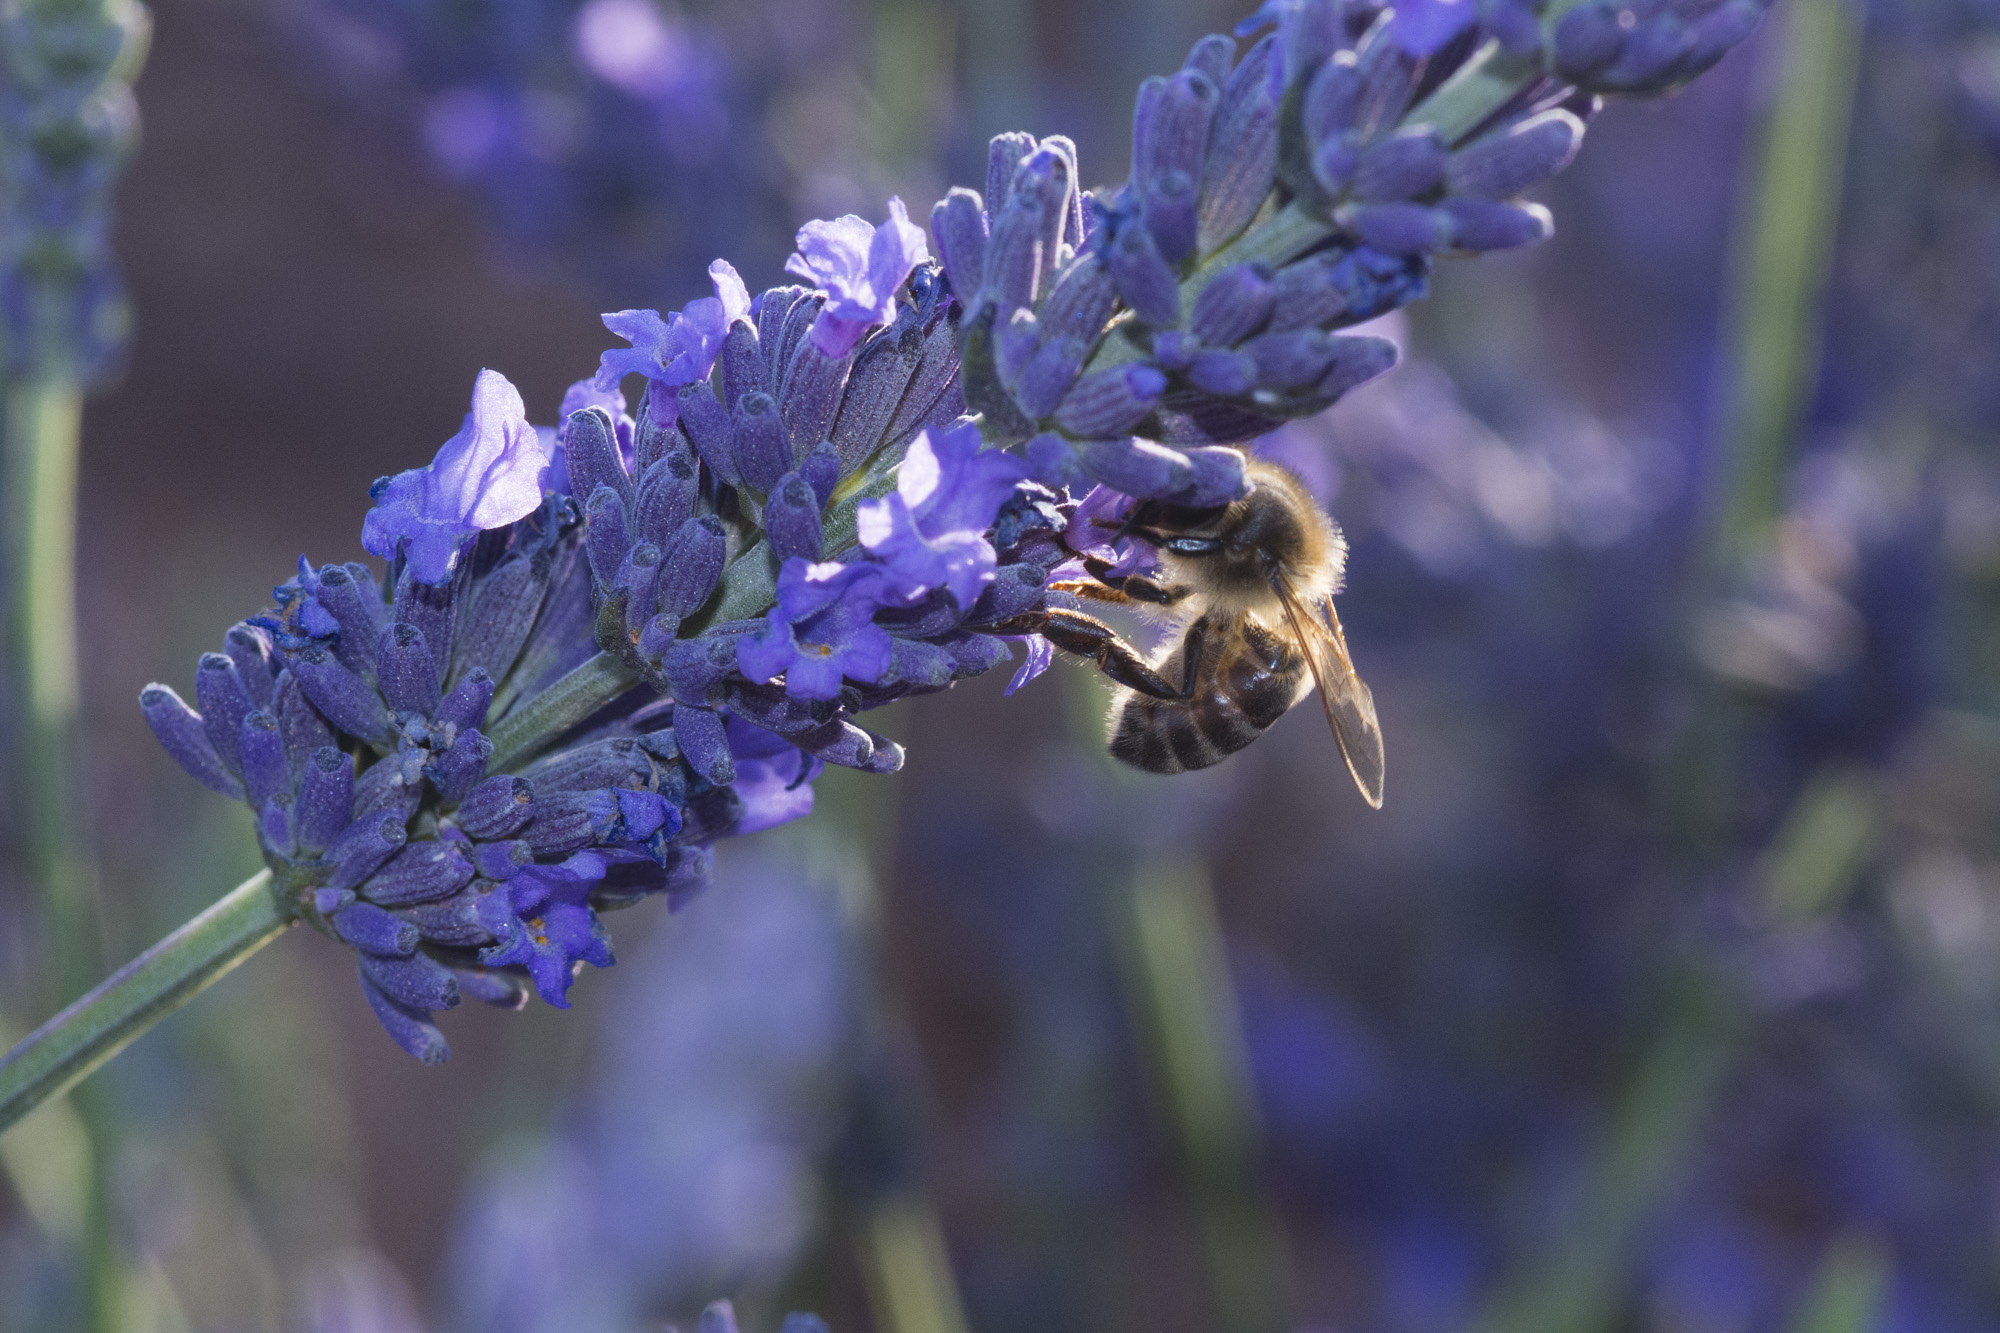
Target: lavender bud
1049, 375
697, 670
874, 389
326, 799
1500, 166
382, 789
1399, 229
1014, 344
774, 313
343, 698
274, 827
409, 680
1081, 301
417, 982
363, 846
303, 728
250, 648
1335, 160
358, 609
499, 613
1355, 361
651, 436
666, 497
1004, 155
1482, 224
1224, 372
791, 520
1175, 349
266, 776
328, 901
181, 734
658, 636
1233, 305
1110, 402
1212, 55
1169, 214
1332, 97
798, 324
591, 446
502, 990
432, 610
1651, 56
1388, 81
1586, 40
704, 743
706, 422
1048, 178
639, 579
812, 393
459, 768
691, 565
453, 922
224, 702
1290, 360
1052, 460
972, 654
606, 534
618, 762
1071, 203
1174, 136
1401, 166
758, 441
409, 1026
372, 930
821, 470
422, 872
569, 821
1015, 257
959, 224
497, 808
468, 701
1136, 467
1219, 477
1144, 279
1015, 590
1242, 161
1717, 31
915, 662
744, 365
501, 860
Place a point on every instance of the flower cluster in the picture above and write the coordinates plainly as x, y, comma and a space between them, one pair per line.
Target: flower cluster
67, 123
601, 647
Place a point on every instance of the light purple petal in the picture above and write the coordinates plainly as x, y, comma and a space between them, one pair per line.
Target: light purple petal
729, 290
1040, 654
897, 247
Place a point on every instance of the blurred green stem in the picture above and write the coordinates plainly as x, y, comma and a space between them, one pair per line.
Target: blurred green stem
908, 1270
76, 1041
1574, 1287
1846, 1294
1177, 975
1782, 259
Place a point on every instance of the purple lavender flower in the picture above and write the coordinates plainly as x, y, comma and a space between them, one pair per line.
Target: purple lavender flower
860, 267
679, 349
931, 533
822, 629
542, 918
1423, 27
487, 476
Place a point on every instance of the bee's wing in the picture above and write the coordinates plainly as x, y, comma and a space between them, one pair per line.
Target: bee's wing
1349, 705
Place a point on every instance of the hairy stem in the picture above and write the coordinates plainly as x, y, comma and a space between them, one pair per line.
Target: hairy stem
76, 1041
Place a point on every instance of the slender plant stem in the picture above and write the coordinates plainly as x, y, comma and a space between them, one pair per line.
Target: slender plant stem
76, 1041
1781, 268
558, 708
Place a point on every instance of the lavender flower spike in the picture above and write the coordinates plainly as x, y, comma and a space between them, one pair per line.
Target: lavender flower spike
487, 476
931, 533
860, 267
822, 629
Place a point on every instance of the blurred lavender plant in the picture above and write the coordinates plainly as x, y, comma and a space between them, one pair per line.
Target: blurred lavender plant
602, 648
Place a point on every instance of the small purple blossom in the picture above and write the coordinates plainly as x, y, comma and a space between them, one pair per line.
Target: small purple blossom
860, 267
773, 777
681, 348
541, 915
822, 629
1041, 653
579, 396
932, 532
486, 476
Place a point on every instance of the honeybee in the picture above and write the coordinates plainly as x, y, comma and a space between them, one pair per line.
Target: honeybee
1247, 589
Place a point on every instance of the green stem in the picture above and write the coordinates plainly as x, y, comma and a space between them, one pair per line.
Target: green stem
76, 1041
1781, 268
526, 730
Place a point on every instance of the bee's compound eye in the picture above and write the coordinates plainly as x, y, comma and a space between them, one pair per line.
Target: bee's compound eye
1192, 545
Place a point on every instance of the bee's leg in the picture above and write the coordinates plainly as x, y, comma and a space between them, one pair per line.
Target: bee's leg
1135, 587
1087, 636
